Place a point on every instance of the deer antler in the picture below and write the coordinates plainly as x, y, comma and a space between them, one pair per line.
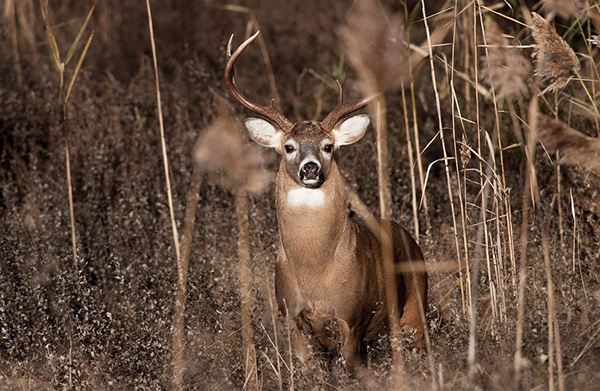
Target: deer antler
341, 109
269, 111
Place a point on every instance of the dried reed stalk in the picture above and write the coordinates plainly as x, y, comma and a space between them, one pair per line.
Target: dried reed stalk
182, 276
532, 136
162, 134
465, 155
440, 125
411, 164
382, 233
237, 166
482, 232
10, 20
253, 25
374, 49
245, 283
499, 59
177, 365
63, 98
387, 249
289, 341
553, 330
460, 27
275, 343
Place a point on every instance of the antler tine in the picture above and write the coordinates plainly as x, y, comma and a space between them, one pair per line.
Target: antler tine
269, 111
341, 109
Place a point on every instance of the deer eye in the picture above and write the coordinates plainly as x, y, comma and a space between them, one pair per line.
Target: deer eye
328, 148
289, 148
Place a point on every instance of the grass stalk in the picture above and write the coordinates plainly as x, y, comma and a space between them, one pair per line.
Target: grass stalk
462, 203
382, 159
415, 129
559, 201
275, 343
411, 164
70, 186
386, 243
10, 18
533, 119
245, 283
575, 230
551, 310
177, 379
456, 112
163, 142
63, 100
254, 25
182, 277
440, 127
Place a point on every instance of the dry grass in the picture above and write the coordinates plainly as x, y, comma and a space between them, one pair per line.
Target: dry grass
493, 166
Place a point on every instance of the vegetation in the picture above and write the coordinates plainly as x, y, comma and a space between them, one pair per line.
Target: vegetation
491, 125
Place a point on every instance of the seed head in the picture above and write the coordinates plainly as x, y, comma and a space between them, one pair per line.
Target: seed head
554, 58
224, 153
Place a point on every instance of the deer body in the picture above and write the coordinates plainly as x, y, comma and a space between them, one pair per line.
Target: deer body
329, 272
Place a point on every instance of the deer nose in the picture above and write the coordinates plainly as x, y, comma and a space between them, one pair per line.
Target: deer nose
311, 170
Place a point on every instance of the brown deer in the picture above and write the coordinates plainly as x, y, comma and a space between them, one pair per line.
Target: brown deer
329, 272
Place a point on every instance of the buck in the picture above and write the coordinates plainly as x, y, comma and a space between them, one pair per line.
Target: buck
329, 273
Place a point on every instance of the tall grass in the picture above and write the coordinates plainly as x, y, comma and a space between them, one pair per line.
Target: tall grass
222, 152
64, 91
178, 317
503, 88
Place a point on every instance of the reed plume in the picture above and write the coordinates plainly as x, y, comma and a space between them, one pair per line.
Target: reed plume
575, 147
564, 9
374, 45
554, 58
505, 68
229, 159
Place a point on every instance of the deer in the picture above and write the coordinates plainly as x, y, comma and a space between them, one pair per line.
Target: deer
329, 276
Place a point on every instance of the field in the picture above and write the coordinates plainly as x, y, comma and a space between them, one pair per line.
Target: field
122, 236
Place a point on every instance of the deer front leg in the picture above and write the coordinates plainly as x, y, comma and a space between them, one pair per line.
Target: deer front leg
416, 297
291, 304
299, 344
334, 334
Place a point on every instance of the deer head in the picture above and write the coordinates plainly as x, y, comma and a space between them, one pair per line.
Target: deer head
308, 146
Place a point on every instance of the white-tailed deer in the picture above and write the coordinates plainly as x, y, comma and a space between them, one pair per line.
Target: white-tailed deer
329, 273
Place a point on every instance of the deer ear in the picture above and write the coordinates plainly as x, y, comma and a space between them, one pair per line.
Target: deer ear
263, 132
350, 130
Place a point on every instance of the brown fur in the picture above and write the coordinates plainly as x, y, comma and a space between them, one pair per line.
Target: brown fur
329, 275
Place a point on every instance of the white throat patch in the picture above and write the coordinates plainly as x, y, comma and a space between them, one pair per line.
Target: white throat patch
312, 198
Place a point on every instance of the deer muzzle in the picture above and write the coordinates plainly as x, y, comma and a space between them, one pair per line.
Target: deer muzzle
311, 174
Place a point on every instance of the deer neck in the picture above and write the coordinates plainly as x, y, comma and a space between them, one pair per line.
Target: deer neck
311, 221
